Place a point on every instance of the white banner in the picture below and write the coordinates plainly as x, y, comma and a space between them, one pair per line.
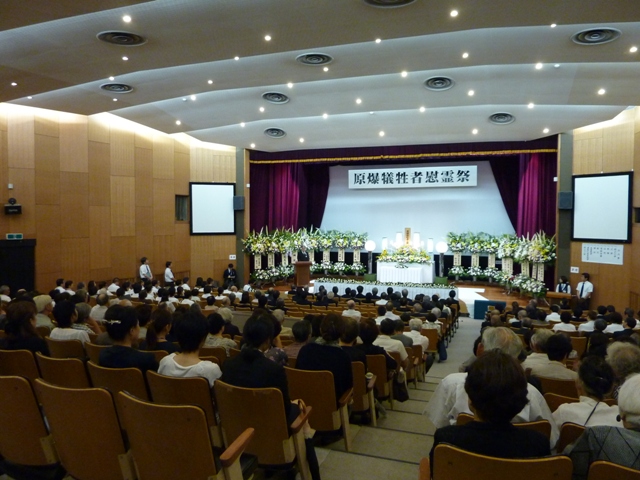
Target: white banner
271, 260
457, 259
507, 265
326, 255
341, 254
603, 253
257, 262
492, 260
475, 259
418, 177
356, 255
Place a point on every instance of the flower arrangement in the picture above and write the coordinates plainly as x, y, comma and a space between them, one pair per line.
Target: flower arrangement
542, 248
521, 253
458, 270
529, 285
476, 272
491, 244
340, 268
389, 284
340, 240
475, 243
358, 268
457, 242
405, 254
508, 246
286, 240
492, 272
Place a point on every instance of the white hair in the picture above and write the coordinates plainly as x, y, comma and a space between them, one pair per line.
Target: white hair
437, 312
629, 400
503, 339
415, 324
226, 314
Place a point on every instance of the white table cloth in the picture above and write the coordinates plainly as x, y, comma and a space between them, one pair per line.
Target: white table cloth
414, 273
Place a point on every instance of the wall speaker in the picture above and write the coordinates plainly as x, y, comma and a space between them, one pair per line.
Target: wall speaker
565, 200
238, 203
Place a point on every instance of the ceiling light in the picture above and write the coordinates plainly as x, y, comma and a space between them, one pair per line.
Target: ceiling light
115, 99
633, 49
553, 25
372, 113
290, 85
210, 82
14, 84
326, 69
193, 98
253, 145
471, 93
267, 38
538, 66
242, 124
262, 109
236, 58
602, 91
381, 133
465, 55
422, 109
325, 115
454, 13
125, 58
301, 140
358, 101
29, 97
557, 65
531, 105
378, 40
184, 99
112, 78
404, 74
474, 131
546, 130
126, 19
178, 122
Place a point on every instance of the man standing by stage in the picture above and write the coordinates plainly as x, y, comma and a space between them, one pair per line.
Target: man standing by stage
584, 291
145, 270
303, 255
229, 276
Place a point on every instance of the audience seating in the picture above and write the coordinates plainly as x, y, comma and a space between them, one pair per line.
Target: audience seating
215, 360
554, 400
316, 388
186, 391
65, 348
276, 443
579, 344
377, 365
566, 388
569, 433
432, 335
158, 354
63, 372
540, 426
219, 352
42, 330
451, 462
424, 472
363, 399
93, 351
601, 470
26, 449
18, 362
118, 379
189, 453
85, 429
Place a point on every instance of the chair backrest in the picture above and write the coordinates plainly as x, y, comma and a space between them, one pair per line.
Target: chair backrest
377, 364
569, 433
118, 379
159, 354
540, 426
43, 330
360, 394
579, 344
233, 352
601, 470
452, 462
259, 408
219, 352
93, 351
566, 388
316, 388
554, 400
291, 361
65, 348
86, 432
21, 424
432, 335
18, 362
63, 372
185, 426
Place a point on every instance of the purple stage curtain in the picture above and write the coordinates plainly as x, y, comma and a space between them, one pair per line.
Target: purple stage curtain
506, 171
289, 195
537, 194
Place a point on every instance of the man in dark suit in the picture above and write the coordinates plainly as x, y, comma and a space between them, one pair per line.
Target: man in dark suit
374, 293
629, 324
229, 276
303, 255
360, 289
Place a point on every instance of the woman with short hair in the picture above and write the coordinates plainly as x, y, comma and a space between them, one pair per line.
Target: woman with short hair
20, 328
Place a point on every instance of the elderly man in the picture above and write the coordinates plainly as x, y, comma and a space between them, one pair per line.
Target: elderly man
558, 349
390, 314
624, 358
351, 311
613, 444
415, 325
384, 340
44, 306
538, 344
97, 312
450, 398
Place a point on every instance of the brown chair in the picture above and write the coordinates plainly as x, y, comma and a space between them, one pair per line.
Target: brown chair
540, 426
63, 372
66, 348
432, 335
569, 433
377, 364
275, 442
24, 441
601, 470
186, 426
424, 472
554, 400
292, 361
233, 352
454, 463
316, 388
565, 388
118, 379
186, 391
419, 363
579, 344
219, 352
158, 354
363, 399
18, 362
86, 432
43, 331
93, 351
412, 375
215, 360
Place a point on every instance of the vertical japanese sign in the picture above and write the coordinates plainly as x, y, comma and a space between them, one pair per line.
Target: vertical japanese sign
419, 177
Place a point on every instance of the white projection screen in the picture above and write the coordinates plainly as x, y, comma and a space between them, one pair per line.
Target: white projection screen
602, 207
211, 208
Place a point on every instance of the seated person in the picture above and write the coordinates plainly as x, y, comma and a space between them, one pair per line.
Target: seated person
368, 334
191, 332
301, 333
618, 445
565, 324
554, 316
122, 327
275, 352
558, 349
538, 345
348, 337
415, 325
497, 390
157, 331
20, 328
229, 328
65, 314
595, 381
616, 323
399, 332
384, 340
215, 325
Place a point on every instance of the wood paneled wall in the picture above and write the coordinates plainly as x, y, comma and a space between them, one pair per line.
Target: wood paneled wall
610, 147
98, 193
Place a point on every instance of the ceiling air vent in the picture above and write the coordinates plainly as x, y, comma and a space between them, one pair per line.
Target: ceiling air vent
439, 83
275, 97
275, 132
314, 59
117, 87
388, 3
596, 36
502, 118
125, 39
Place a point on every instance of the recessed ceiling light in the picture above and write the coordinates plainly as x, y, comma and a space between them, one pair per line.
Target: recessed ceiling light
326, 69
381, 133
546, 130
210, 82
538, 66
556, 65
178, 122
193, 98
602, 91
454, 13
14, 84
301, 140
267, 38
125, 58
553, 25
290, 85
236, 58
325, 115
184, 99
115, 99
29, 97
531, 105
253, 145
242, 124
378, 40
126, 19
372, 113
404, 74
358, 101
465, 55
474, 131
112, 78
633, 49
262, 109
422, 109
471, 93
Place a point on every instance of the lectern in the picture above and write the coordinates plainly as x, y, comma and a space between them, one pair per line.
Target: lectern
302, 273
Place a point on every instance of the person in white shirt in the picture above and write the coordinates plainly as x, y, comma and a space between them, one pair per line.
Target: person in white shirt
589, 325
565, 324
415, 324
67, 287
351, 310
381, 314
390, 314
169, 279
97, 312
384, 340
538, 344
450, 398
595, 381
44, 306
383, 299
558, 349
145, 270
584, 290
115, 285
563, 285
221, 296
5, 291
554, 316
185, 283
206, 292
60, 285
616, 323
65, 315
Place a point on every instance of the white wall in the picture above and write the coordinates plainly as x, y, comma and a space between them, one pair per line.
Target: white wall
433, 212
